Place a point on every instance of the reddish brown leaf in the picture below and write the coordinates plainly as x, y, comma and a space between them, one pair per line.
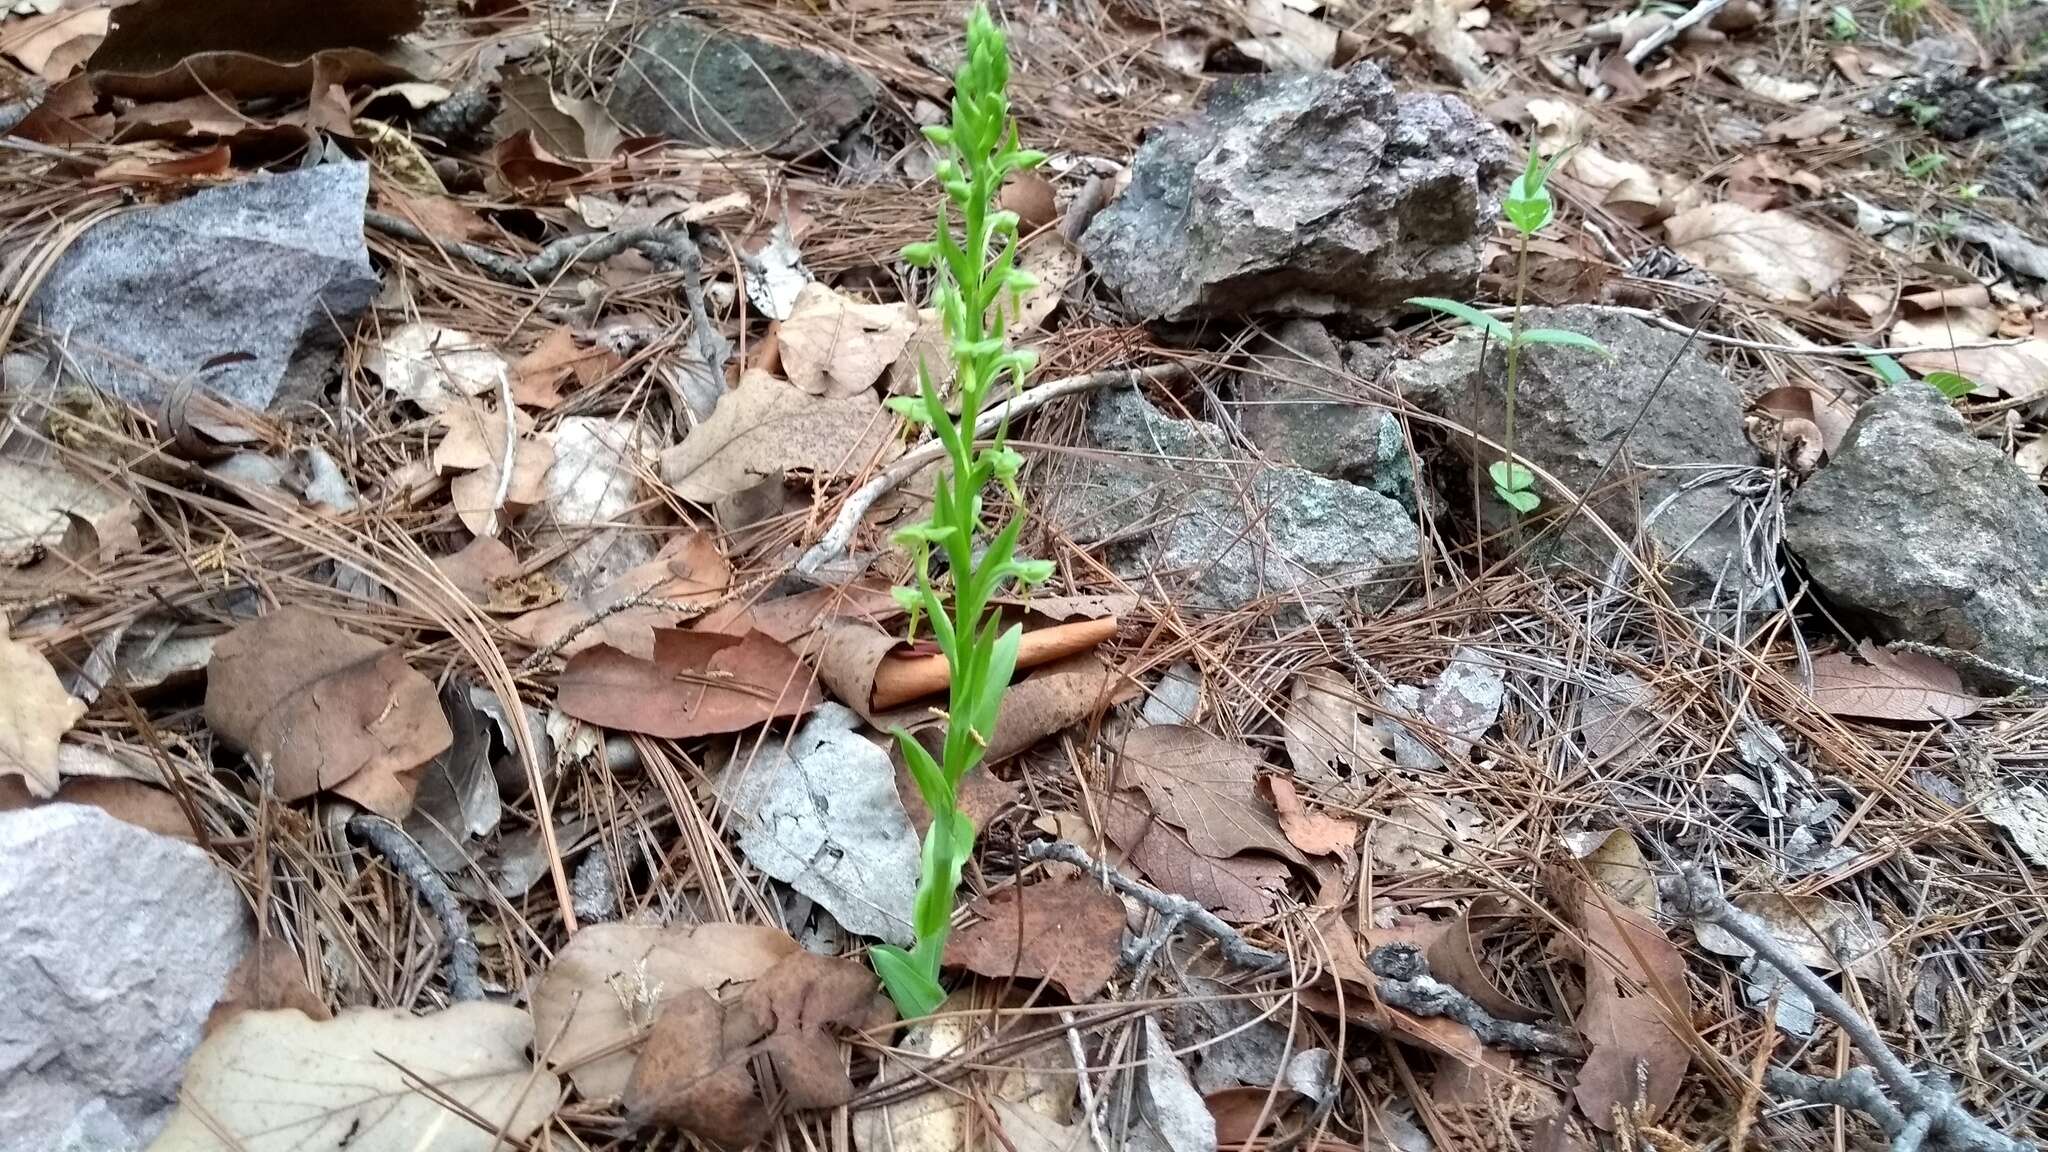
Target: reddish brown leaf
1879, 685
523, 163
1632, 973
537, 376
1030, 196
697, 1070
269, 976
697, 684
1312, 832
1239, 889
212, 164
1069, 931
326, 709
795, 619
1244, 1114
1205, 784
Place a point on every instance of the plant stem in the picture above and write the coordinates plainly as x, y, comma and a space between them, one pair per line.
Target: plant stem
1507, 439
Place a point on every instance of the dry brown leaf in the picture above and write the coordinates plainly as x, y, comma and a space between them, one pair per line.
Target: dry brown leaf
1956, 296
1069, 931
2018, 370
687, 572
1330, 734
1425, 833
1823, 934
435, 367
35, 712
1879, 685
1440, 26
41, 505
766, 427
537, 377
1032, 1096
1777, 255
1240, 889
835, 346
1632, 972
1248, 1112
1286, 38
902, 677
604, 989
268, 977
474, 447
697, 684
369, 1080
1206, 785
1454, 959
53, 44
1617, 866
1054, 698
927, 348
520, 163
565, 125
1315, 833
698, 1068
1830, 415
794, 620
1622, 187
247, 75
1055, 261
328, 710
1348, 949
131, 801
437, 216
1805, 126
1030, 196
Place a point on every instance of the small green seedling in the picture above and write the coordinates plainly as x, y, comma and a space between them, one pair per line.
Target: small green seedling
976, 275
1528, 207
1953, 385
1927, 163
1842, 23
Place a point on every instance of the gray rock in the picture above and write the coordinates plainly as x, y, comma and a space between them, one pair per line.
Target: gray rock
114, 945
1577, 418
1304, 193
1299, 402
1928, 534
272, 267
1176, 503
686, 79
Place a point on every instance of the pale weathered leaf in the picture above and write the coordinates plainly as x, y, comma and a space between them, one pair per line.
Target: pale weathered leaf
767, 427
1779, 256
40, 502
35, 712
1879, 685
1205, 785
1069, 930
435, 367
1329, 732
835, 346
365, 1081
474, 448
2018, 370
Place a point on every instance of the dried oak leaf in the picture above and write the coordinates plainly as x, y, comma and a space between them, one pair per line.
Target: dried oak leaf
1240, 889
1068, 930
1880, 685
1635, 986
329, 710
766, 427
697, 684
835, 346
613, 979
1315, 833
687, 572
1329, 731
703, 1065
1777, 255
1206, 785
270, 976
35, 712
794, 620
474, 447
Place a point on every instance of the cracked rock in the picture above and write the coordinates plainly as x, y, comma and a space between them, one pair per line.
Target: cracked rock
687, 79
1308, 194
1300, 401
1927, 533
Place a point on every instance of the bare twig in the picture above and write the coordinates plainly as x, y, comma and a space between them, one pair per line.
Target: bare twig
834, 543
503, 490
1919, 1107
1846, 351
684, 610
1672, 31
408, 861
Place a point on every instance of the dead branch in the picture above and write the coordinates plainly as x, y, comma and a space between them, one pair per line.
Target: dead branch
1920, 1106
408, 861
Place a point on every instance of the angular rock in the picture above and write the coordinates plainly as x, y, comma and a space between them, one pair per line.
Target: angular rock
1577, 417
1306, 193
1928, 533
272, 267
1299, 401
1176, 503
114, 945
687, 79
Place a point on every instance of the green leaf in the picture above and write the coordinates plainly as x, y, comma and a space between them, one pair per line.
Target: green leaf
1031, 572
923, 254
1527, 213
1513, 478
1953, 385
1465, 312
1560, 336
1002, 664
915, 993
908, 599
911, 408
1888, 370
1523, 502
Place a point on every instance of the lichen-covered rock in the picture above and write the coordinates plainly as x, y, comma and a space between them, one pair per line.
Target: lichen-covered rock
1619, 429
1299, 400
687, 79
1305, 193
1928, 534
1168, 499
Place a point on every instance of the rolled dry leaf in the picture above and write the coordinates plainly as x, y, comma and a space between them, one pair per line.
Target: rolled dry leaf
901, 679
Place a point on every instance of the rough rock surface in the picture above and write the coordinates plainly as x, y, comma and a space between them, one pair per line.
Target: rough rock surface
1298, 401
1305, 193
1576, 412
686, 79
273, 267
114, 945
1928, 534
1169, 498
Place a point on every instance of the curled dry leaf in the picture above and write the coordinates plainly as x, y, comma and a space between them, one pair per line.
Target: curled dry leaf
1624, 188
1616, 866
698, 1068
1441, 27
796, 619
903, 677
1315, 833
1879, 685
1206, 785
1030, 196
326, 709
689, 571
767, 427
1829, 415
565, 125
474, 448
35, 712
1240, 889
1055, 261
696, 684
612, 981
369, 1080
2018, 370
268, 977
1776, 254
835, 346
43, 502
1067, 930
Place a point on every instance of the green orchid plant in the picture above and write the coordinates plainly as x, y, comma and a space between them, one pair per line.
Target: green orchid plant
1528, 207
976, 279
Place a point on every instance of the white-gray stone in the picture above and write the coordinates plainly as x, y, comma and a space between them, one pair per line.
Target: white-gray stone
115, 944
